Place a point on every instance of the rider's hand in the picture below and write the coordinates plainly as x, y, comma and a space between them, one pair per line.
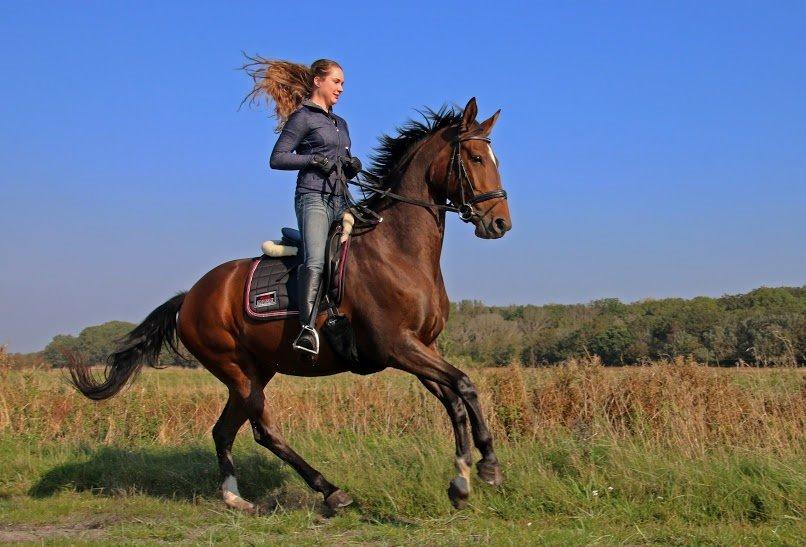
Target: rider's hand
325, 165
351, 166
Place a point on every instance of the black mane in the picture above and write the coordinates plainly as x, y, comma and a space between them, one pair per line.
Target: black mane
387, 159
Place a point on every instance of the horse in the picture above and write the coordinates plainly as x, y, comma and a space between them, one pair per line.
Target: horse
394, 298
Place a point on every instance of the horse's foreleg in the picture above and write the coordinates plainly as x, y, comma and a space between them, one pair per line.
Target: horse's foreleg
415, 357
267, 435
224, 431
459, 489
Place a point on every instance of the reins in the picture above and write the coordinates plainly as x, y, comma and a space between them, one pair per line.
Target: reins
465, 209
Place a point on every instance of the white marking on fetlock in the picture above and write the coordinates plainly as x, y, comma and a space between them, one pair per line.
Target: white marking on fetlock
464, 471
232, 497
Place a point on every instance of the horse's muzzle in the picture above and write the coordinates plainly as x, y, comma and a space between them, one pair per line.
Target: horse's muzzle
494, 229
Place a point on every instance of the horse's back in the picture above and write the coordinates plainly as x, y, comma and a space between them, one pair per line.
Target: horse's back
210, 314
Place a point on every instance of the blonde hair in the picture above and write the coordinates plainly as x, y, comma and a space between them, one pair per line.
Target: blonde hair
285, 83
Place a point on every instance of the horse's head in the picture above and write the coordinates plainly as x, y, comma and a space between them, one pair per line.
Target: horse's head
468, 169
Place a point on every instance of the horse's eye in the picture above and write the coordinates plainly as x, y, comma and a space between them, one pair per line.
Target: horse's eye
476, 159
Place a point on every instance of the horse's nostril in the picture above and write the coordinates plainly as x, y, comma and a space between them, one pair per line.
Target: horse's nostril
501, 224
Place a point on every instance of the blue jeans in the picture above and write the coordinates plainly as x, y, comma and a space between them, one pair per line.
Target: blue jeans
315, 213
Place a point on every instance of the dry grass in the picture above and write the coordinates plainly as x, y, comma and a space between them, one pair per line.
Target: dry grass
669, 453
669, 404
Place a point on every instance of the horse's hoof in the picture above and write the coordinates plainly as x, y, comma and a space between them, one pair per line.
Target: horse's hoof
490, 473
244, 506
234, 500
458, 492
338, 499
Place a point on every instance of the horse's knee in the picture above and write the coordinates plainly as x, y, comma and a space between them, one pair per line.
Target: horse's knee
465, 387
259, 433
266, 437
459, 410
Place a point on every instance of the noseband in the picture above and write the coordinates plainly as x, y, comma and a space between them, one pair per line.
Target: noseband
465, 209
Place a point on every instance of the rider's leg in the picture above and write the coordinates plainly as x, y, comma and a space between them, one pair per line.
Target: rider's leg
313, 217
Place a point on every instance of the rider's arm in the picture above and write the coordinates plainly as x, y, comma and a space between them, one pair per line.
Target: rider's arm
351, 164
283, 156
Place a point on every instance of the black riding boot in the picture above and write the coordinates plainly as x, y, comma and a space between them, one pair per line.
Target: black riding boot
308, 287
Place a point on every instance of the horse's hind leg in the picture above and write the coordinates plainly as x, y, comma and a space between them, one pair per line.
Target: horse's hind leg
224, 431
459, 489
267, 435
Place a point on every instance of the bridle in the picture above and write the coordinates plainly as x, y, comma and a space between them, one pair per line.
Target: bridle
465, 209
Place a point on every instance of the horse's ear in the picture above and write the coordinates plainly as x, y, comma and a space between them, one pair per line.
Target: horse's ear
469, 115
487, 125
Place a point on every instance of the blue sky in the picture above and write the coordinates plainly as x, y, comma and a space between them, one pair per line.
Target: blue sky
650, 149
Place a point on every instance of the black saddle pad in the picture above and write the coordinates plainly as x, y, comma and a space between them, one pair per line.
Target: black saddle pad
271, 286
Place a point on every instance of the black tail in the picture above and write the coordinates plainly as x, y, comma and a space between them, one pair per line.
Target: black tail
142, 345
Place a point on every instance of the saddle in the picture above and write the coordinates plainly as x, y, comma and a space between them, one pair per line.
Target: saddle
271, 286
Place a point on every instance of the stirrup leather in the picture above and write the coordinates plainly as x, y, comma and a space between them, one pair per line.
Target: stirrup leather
314, 351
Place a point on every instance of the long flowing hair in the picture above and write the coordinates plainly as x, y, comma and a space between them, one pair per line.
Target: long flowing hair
284, 83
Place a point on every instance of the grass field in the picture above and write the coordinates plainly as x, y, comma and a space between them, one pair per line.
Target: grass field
672, 453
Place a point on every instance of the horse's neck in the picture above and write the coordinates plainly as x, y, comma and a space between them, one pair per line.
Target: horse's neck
413, 231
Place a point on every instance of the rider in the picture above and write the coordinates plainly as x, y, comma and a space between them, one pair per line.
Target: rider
315, 141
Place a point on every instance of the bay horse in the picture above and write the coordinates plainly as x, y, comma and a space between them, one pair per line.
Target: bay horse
394, 297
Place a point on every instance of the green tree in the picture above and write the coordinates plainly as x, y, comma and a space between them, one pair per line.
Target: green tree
612, 344
58, 350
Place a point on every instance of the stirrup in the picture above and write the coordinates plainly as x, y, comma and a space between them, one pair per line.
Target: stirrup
297, 347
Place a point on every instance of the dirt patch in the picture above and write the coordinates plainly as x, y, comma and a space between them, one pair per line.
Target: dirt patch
29, 532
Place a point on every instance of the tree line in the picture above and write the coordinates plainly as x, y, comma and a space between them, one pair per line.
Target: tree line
94, 344
765, 327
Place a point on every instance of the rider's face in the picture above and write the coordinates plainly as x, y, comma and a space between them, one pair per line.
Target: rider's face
331, 85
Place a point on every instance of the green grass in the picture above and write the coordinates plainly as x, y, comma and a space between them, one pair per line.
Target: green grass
567, 491
141, 467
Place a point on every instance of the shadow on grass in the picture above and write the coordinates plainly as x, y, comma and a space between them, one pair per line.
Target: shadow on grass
178, 473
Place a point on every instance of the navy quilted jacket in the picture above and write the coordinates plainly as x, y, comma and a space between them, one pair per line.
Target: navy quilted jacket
310, 130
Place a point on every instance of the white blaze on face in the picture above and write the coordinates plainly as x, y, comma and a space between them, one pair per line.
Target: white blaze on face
492, 156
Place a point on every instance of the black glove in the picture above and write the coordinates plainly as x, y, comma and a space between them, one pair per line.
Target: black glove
351, 166
325, 165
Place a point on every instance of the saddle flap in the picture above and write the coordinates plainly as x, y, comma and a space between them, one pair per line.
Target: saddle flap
271, 290
271, 286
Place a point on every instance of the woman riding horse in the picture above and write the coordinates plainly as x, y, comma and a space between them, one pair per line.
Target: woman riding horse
394, 298
315, 141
